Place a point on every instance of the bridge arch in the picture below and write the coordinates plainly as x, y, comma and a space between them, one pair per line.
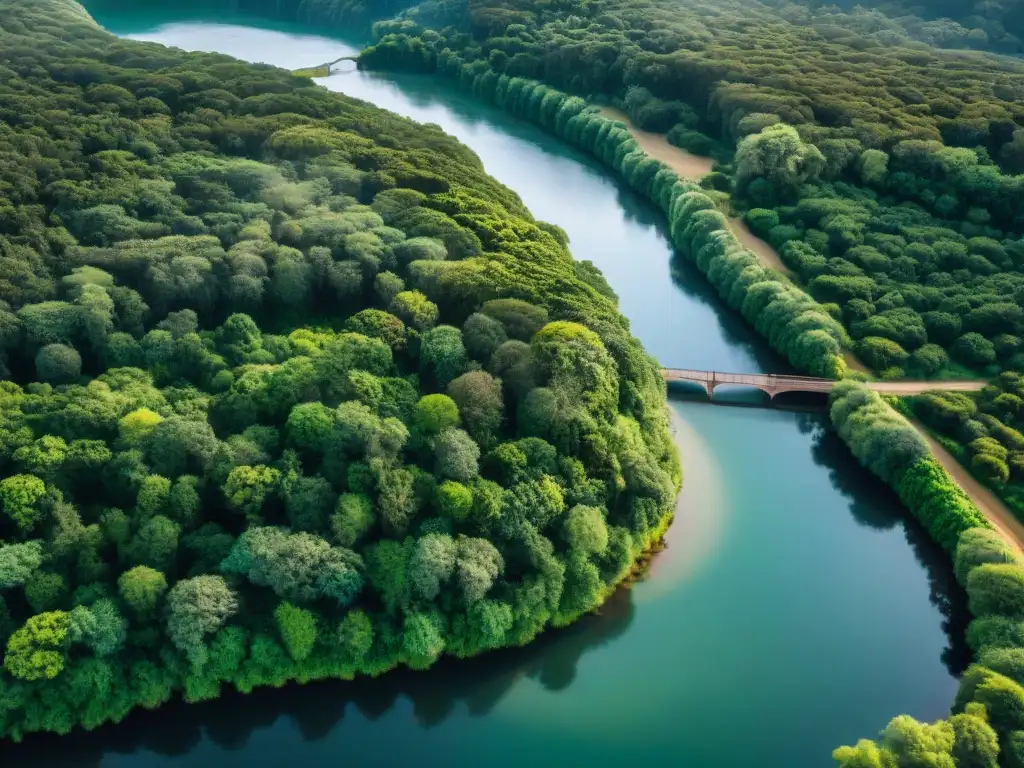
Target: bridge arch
771, 384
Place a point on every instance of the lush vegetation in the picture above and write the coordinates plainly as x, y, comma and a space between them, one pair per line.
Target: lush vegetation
947, 24
886, 176
982, 429
793, 322
889, 445
292, 389
986, 728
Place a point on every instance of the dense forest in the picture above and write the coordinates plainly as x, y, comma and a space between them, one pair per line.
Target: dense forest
982, 429
886, 176
292, 389
296, 391
944, 23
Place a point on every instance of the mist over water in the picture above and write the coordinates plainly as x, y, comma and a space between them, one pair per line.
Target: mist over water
794, 609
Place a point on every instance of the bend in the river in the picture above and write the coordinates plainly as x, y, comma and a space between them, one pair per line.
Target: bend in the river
794, 609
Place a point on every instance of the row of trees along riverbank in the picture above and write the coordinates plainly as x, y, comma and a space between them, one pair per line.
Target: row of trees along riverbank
792, 321
986, 728
988, 717
899, 219
291, 389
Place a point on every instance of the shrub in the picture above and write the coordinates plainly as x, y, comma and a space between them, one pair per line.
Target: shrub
58, 364
978, 546
997, 588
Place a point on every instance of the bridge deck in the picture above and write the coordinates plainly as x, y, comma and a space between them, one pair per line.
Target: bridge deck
773, 384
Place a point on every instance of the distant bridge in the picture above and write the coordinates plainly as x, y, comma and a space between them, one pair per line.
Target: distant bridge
327, 65
773, 384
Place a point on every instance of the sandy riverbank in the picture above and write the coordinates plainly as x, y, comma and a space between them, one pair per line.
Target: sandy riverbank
695, 167
697, 529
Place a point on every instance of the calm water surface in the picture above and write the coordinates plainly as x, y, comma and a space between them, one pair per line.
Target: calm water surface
793, 610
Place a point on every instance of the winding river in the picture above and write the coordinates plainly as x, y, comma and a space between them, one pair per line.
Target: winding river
794, 609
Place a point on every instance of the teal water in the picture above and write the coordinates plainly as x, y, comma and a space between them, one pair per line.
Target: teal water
794, 609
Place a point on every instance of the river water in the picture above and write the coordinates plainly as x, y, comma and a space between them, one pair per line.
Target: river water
794, 609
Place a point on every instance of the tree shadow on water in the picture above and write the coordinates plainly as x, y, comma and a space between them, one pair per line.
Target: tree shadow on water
475, 686
875, 505
736, 332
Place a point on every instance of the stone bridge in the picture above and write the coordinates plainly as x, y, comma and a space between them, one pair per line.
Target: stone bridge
773, 384
328, 64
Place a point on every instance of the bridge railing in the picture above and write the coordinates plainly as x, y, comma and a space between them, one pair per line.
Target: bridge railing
763, 379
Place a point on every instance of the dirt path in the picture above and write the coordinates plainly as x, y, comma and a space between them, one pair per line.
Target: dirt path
687, 165
695, 167
767, 255
917, 387
994, 509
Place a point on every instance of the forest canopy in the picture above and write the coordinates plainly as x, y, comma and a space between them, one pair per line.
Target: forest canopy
887, 174
291, 388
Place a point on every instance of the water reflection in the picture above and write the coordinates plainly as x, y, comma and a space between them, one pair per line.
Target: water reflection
875, 505
474, 685
734, 329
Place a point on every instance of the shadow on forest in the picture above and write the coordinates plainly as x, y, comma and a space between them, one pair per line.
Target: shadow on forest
317, 709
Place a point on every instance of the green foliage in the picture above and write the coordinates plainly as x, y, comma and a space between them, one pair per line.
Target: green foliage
994, 632
454, 500
479, 399
198, 607
482, 335
997, 588
431, 565
298, 630
977, 546
457, 455
987, 423
586, 530
142, 588
300, 323
101, 627
44, 591
21, 497
352, 519
36, 651
436, 413
58, 364
247, 488
18, 562
975, 744
299, 567
865, 754
442, 354
779, 156
879, 437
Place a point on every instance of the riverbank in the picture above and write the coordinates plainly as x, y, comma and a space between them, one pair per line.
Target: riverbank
795, 493
694, 168
994, 508
696, 534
